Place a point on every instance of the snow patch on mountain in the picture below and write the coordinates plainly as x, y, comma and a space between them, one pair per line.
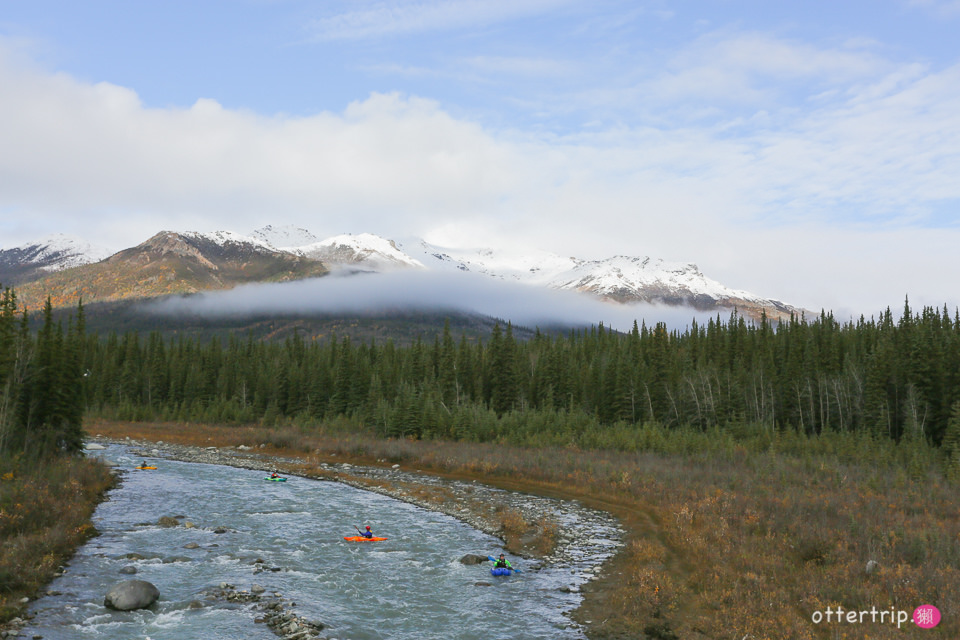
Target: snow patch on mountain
287, 236
223, 238
531, 266
60, 251
626, 277
365, 250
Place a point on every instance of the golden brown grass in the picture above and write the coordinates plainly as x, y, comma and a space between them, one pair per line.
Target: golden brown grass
738, 545
45, 511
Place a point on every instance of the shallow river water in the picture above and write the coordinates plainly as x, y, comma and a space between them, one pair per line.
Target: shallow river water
409, 586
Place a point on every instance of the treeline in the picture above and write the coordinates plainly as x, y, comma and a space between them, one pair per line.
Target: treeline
886, 378
41, 403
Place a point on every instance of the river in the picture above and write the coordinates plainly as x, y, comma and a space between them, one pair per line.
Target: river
288, 539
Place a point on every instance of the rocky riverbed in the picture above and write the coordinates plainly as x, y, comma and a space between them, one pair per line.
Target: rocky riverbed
581, 538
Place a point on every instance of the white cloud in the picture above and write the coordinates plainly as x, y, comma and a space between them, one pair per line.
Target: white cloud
840, 176
758, 69
73, 148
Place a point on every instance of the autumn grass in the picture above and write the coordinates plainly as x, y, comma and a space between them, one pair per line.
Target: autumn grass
45, 510
734, 542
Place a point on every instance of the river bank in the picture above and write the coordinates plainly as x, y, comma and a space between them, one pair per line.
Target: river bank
45, 511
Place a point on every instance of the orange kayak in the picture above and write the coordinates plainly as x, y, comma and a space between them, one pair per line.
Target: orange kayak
143, 468
362, 539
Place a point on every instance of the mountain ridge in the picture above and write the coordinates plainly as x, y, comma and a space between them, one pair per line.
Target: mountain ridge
171, 263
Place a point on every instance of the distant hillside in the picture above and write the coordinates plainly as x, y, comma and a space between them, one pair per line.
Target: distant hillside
403, 328
171, 263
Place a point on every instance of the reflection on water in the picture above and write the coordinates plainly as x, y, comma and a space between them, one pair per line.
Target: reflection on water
410, 586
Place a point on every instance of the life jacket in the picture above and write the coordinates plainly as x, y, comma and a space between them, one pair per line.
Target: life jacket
502, 563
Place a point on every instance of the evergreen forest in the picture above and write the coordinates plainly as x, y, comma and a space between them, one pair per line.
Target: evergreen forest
41, 382
881, 378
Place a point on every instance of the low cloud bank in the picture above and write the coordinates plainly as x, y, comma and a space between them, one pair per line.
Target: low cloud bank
521, 304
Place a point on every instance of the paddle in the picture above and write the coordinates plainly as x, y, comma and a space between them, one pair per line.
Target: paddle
492, 559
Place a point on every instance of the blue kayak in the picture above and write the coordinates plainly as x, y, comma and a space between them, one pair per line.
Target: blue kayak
500, 571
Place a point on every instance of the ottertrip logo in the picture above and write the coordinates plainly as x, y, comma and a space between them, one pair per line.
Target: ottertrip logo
925, 616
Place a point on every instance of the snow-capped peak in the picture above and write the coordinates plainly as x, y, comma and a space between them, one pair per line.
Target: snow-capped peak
222, 238
530, 265
632, 277
364, 250
60, 251
285, 236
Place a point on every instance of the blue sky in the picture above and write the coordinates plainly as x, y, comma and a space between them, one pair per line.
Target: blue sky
807, 151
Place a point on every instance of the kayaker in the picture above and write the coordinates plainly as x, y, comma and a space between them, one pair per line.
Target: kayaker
143, 465
502, 563
274, 475
367, 533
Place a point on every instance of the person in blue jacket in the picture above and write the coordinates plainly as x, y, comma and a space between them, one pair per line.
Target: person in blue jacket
367, 533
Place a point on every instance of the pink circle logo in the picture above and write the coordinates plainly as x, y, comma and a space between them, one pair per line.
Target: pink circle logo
926, 616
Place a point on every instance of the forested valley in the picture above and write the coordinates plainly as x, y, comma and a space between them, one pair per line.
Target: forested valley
881, 379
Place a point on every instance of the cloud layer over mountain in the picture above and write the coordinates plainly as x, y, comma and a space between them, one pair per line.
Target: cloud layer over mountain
420, 290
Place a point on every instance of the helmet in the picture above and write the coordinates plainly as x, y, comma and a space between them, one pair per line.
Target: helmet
368, 527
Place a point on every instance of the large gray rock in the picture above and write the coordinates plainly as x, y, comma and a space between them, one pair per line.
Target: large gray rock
131, 594
472, 558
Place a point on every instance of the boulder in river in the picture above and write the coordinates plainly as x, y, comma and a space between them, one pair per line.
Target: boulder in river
128, 570
472, 558
131, 594
167, 521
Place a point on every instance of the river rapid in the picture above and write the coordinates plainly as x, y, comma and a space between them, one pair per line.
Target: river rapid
245, 545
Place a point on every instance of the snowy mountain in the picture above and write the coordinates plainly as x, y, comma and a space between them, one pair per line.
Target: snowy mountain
53, 253
621, 279
171, 263
362, 252
192, 261
629, 279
